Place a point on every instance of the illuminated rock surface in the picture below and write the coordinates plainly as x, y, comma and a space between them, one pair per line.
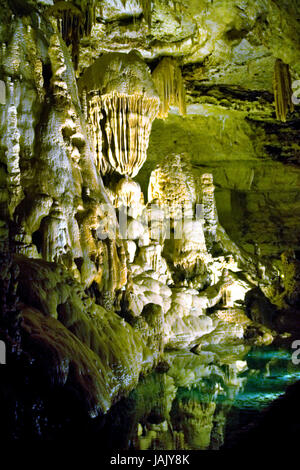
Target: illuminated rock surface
121, 104
149, 216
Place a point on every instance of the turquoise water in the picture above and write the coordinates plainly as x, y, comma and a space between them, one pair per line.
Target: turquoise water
270, 372
238, 397
200, 403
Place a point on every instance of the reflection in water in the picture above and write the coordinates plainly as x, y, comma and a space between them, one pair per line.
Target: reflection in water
200, 401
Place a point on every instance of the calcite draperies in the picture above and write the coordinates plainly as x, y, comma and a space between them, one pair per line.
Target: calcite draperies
121, 103
121, 126
169, 83
282, 90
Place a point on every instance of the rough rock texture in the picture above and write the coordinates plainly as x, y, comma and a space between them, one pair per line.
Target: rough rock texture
167, 241
54, 207
257, 194
101, 273
79, 340
53, 200
227, 51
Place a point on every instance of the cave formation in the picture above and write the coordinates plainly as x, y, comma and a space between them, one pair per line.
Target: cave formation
149, 221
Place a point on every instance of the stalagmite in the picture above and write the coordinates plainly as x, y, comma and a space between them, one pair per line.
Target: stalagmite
121, 106
169, 83
172, 185
56, 242
11, 140
282, 90
208, 201
99, 286
129, 195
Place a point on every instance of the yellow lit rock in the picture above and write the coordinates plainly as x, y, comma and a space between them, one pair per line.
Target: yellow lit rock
169, 83
121, 106
282, 90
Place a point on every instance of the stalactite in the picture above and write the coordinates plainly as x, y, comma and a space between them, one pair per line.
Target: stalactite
74, 22
169, 83
121, 132
146, 7
282, 90
121, 105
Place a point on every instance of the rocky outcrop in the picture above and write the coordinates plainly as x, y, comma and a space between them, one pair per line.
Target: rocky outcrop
84, 344
55, 202
103, 274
